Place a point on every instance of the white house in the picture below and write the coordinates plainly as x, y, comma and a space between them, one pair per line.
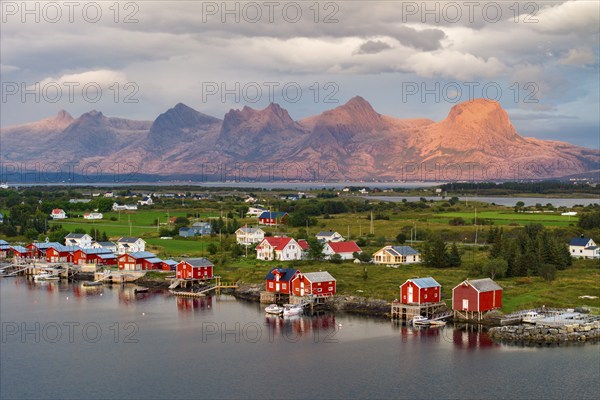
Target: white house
584, 248
58, 213
94, 215
279, 249
82, 240
345, 250
146, 201
105, 245
329, 236
247, 236
255, 211
396, 255
130, 245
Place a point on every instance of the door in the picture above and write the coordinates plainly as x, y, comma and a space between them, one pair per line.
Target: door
410, 294
465, 304
301, 288
277, 287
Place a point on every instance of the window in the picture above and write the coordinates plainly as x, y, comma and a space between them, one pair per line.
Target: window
320, 290
271, 285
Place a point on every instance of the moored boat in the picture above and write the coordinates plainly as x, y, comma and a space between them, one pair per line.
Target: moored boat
420, 320
45, 276
437, 323
273, 309
292, 309
532, 317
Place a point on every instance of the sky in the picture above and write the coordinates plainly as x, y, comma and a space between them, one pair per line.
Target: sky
136, 59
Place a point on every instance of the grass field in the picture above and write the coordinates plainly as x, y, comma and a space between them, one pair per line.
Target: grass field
508, 217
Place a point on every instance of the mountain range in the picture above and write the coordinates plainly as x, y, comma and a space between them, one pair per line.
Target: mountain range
476, 141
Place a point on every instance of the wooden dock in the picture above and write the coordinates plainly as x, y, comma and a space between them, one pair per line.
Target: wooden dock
432, 311
217, 286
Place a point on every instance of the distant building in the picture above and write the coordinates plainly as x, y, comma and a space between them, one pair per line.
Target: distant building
420, 291
124, 207
255, 211
58, 213
82, 240
130, 245
396, 255
472, 298
329, 236
317, 284
186, 232
135, 261
279, 280
202, 228
105, 245
247, 236
582, 247
279, 249
194, 268
345, 250
272, 218
146, 201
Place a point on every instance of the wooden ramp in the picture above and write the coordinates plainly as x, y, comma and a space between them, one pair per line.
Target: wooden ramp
16, 272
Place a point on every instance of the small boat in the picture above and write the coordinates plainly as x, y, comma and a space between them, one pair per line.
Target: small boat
45, 276
273, 309
140, 290
531, 317
420, 320
292, 309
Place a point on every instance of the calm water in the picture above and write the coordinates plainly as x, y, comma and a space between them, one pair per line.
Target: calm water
503, 201
157, 346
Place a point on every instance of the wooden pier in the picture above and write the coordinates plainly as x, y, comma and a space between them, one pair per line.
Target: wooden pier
406, 312
274, 298
119, 277
203, 290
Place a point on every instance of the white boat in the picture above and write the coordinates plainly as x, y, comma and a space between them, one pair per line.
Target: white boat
45, 276
292, 309
420, 320
273, 309
532, 317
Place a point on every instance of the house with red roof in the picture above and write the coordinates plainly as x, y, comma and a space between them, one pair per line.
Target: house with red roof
58, 213
345, 250
279, 248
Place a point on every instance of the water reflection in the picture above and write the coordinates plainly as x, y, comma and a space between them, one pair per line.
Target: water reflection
319, 325
187, 305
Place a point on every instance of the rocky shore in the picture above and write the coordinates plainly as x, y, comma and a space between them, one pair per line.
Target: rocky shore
546, 334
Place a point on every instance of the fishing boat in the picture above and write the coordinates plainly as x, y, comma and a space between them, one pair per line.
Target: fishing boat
273, 309
532, 317
420, 320
292, 309
45, 276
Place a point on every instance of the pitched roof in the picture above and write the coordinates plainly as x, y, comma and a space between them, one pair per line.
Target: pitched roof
326, 233
344, 247
272, 214
288, 273
484, 285
58, 211
170, 262
3, 241
579, 241
322, 276
277, 242
128, 239
303, 244
107, 256
402, 250
424, 282
75, 235
45, 245
20, 249
106, 244
62, 248
198, 262
249, 230
154, 260
142, 254
201, 224
96, 251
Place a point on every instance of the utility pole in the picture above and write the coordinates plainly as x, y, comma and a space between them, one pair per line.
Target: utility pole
157, 224
372, 228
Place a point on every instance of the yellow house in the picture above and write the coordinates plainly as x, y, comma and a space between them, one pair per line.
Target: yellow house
396, 255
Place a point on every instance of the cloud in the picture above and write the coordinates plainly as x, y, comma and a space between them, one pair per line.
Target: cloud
373, 47
454, 65
6, 69
578, 57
